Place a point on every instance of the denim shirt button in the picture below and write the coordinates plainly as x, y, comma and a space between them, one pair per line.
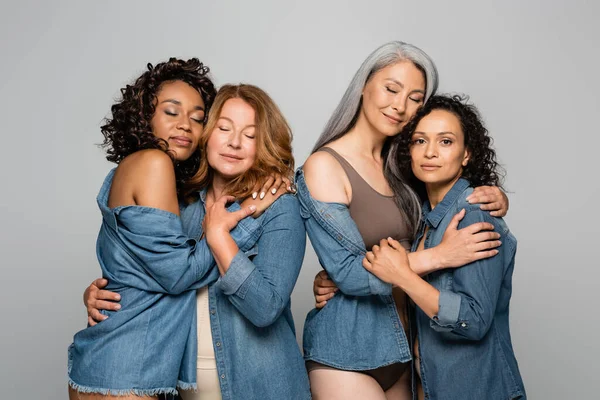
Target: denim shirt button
213, 312
339, 237
463, 325
222, 376
218, 344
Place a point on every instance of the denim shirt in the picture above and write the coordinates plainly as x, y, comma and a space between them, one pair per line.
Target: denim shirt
359, 328
465, 350
156, 260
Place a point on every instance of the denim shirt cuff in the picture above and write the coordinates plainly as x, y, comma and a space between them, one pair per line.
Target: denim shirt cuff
449, 307
249, 232
239, 270
377, 286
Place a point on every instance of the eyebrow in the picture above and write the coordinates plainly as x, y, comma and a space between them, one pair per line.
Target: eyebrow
437, 134
402, 85
178, 103
230, 120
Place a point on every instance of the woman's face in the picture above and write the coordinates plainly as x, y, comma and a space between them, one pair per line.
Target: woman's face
231, 147
392, 96
179, 118
438, 153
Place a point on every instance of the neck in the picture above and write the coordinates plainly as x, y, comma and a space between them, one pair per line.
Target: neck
216, 188
438, 190
365, 140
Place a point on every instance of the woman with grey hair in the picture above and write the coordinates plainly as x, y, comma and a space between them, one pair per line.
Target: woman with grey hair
352, 195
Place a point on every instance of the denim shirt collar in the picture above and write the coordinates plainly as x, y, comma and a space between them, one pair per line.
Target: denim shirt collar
435, 216
202, 193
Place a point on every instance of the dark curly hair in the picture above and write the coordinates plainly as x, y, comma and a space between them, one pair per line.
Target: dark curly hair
129, 128
482, 168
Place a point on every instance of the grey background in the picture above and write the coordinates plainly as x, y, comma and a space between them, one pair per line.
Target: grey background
531, 67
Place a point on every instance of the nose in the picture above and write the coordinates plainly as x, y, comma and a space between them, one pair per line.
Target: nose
430, 150
184, 123
235, 140
399, 104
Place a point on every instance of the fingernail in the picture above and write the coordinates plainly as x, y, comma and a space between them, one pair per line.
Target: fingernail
118, 306
254, 195
253, 208
118, 297
273, 190
262, 195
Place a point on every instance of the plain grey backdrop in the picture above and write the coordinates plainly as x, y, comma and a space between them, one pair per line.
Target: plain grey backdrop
531, 67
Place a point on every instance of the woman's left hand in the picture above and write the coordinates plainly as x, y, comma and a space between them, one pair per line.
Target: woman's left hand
388, 261
491, 199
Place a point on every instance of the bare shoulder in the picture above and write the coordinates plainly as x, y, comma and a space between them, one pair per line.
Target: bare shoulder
326, 179
147, 177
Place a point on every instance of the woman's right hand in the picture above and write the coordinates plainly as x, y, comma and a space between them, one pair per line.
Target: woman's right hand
218, 221
96, 299
323, 289
463, 246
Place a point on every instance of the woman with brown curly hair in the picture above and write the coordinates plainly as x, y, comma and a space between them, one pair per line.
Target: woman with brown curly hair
463, 347
154, 252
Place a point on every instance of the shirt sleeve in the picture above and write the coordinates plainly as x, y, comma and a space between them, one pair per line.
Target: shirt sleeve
159, 256
260, 286
468, 307
339, 246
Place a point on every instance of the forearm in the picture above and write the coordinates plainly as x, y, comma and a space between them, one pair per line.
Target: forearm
223, 249
259, 299
344, 266
423, 262
425, 296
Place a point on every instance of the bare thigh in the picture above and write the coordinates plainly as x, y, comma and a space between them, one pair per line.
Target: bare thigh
75, 395
402, 388
335, 384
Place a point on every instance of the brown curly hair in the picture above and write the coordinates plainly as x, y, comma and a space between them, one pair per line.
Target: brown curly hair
482, 168
129, 129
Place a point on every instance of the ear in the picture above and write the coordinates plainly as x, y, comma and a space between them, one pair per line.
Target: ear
466, 157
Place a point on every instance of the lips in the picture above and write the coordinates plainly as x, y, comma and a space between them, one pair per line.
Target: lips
394, 120
231, 157
182, 141
429, 167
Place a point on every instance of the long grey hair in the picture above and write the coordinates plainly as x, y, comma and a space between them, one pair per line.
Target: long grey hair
346, 114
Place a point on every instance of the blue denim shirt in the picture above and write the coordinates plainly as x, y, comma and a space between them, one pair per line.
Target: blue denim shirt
359, 328
156, 260
465, 350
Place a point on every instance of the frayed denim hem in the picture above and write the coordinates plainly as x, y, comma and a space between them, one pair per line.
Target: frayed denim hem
187, 386
124, 392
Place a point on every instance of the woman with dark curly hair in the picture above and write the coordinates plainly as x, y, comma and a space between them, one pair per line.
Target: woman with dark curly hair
152, 249
463, 348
